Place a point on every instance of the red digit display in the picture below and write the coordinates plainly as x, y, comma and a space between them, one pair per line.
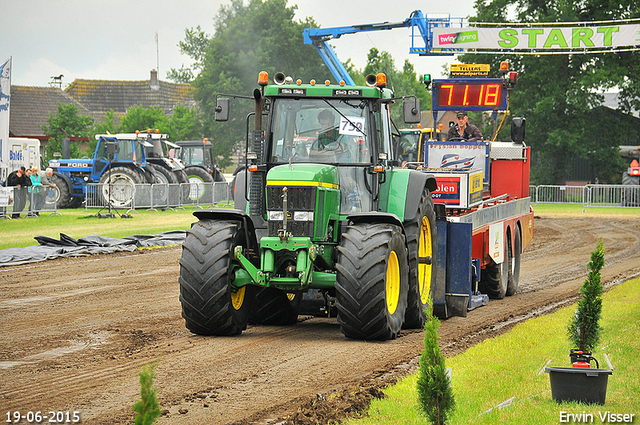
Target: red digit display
485, 94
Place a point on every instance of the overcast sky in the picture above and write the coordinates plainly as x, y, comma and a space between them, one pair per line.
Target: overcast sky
115, 39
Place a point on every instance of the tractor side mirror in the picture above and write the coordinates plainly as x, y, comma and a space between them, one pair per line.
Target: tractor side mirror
411, 109
222, 109
518, 127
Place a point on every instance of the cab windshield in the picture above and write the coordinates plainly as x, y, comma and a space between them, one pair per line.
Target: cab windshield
320, 131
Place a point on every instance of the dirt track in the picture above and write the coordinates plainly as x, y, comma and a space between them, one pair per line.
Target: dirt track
75, 332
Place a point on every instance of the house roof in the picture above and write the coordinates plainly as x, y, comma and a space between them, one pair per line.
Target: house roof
100, 96
31, 107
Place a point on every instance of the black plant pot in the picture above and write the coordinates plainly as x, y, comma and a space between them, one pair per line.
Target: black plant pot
578, 384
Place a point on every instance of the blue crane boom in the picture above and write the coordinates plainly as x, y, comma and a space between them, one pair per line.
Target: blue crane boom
421, 39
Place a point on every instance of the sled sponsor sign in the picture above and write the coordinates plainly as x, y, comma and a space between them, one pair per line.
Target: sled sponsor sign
496, 242
461, 189
458, 155
549, 37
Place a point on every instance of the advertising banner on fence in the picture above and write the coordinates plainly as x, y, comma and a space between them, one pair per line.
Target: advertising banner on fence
538, 38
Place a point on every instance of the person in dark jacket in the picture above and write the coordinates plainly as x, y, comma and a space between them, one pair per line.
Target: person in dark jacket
463, 130
18, 179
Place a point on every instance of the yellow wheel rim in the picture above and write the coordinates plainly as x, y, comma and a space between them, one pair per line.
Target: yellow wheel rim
425, 249
237, 298
393, 282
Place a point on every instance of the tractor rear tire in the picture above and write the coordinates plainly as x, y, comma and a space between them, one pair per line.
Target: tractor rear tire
372, 281
421, 243
495, 278
123, 186
182, 179
162, 179
274, 307
163, 176
514, 271
62, 195
201, 184
210, 305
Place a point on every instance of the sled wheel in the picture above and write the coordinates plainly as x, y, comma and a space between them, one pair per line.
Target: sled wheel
514, 271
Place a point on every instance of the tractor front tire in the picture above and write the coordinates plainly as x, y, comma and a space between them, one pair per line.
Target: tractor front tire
372, 281
422, 245
210, 305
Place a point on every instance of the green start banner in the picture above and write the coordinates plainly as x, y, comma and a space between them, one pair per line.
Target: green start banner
538, 37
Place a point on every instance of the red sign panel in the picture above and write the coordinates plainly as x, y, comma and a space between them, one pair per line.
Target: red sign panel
448, 191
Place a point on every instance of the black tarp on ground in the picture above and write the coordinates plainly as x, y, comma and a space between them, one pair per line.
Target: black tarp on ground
67, 246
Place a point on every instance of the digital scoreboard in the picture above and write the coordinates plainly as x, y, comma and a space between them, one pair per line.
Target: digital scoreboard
469, 94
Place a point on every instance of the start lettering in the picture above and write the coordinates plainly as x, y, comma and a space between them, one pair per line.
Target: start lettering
511, 38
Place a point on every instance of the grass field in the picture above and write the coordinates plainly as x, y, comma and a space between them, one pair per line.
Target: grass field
576, 209
78, 223
507, 369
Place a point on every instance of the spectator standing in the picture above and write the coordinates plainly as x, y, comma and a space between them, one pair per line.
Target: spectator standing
47, 184
36, 192
18, 180
27, 190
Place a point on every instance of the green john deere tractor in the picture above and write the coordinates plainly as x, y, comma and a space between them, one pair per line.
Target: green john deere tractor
321, 207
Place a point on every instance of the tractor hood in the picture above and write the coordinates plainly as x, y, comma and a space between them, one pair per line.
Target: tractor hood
76, 163
304, 175
313, 201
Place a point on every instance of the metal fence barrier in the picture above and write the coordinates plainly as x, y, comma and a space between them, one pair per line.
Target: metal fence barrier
27, 201
591, 195
15, 201
157, 196
558, 194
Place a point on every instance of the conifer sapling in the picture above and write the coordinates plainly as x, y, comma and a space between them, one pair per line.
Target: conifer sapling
435, 395
584, 328
147, 408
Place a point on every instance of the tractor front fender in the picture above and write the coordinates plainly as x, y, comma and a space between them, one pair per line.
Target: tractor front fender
236, 215
375, 217
226, 214
418, 181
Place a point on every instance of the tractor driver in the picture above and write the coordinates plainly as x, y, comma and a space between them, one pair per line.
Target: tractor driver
463, 130
328, 144
328, 130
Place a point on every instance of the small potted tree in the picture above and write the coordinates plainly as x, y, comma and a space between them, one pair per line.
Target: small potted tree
584, 327
581, 382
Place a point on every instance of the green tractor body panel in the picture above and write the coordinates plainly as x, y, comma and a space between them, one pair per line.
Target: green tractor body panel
311, 188
393, 192
313, 204
309, 90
